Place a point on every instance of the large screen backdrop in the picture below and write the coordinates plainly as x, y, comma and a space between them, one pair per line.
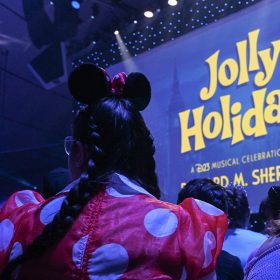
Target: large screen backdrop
215, 103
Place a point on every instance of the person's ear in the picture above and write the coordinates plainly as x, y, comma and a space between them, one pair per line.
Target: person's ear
80, 156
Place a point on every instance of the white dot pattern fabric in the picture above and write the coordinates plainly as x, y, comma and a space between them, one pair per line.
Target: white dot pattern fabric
16, 251
208, 208
161, 222
113, 192
49, 210
24, 197
209, 244
136, 189
6, 234
79, 250
109, 262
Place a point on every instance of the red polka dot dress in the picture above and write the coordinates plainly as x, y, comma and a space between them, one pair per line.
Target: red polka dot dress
122, 233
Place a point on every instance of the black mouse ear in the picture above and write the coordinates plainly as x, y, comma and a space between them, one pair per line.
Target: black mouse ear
88, 83
138, 90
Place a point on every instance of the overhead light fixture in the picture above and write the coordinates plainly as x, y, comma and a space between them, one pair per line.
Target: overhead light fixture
135, 21
172, 2
116, 32
148, 14
75, 5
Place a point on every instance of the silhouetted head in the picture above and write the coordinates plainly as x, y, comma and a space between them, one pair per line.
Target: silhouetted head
205, 190
109, 135
238, 207
110, 132
270, 210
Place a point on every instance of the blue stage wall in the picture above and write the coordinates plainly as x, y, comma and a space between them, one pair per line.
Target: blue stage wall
236, 137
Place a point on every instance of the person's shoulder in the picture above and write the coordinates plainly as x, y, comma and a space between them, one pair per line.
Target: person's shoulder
250, 233
271, 244
227, 256
157, 203
19, 200
266, 256
229, 264
163, 203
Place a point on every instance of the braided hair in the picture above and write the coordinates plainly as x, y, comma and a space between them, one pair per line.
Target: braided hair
238, 206
117, 140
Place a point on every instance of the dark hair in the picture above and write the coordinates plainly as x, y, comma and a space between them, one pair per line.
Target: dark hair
205, 190
238, 207
270, 209
118, 141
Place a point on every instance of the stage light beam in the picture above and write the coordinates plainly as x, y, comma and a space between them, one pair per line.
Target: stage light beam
127, 60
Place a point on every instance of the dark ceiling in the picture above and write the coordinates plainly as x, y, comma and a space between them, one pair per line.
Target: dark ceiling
34, 120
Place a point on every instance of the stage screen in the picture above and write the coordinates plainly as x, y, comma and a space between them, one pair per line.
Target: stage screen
215, 103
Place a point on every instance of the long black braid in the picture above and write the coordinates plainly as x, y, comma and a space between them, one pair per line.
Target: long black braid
118, 140
72, 205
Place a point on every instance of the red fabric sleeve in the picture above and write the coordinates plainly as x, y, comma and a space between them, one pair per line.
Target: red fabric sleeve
19, 199
201, 236
15, 226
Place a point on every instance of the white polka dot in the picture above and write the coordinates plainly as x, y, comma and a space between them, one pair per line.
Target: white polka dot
49, 210
208, 208
136, 189
6, 234
16, 251
127, 181
24, 197
161, 222
79, 250
209, 244
113, 192
108, 262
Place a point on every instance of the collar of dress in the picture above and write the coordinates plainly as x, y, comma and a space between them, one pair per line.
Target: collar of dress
119, 183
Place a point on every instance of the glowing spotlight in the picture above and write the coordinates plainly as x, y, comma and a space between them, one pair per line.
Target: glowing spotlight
148, 14
172, 2
116, 32
135, 21
75, 5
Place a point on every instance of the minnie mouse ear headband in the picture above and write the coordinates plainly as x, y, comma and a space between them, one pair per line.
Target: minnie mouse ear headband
89, 83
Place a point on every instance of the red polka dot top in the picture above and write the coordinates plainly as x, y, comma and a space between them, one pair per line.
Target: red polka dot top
122, 233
